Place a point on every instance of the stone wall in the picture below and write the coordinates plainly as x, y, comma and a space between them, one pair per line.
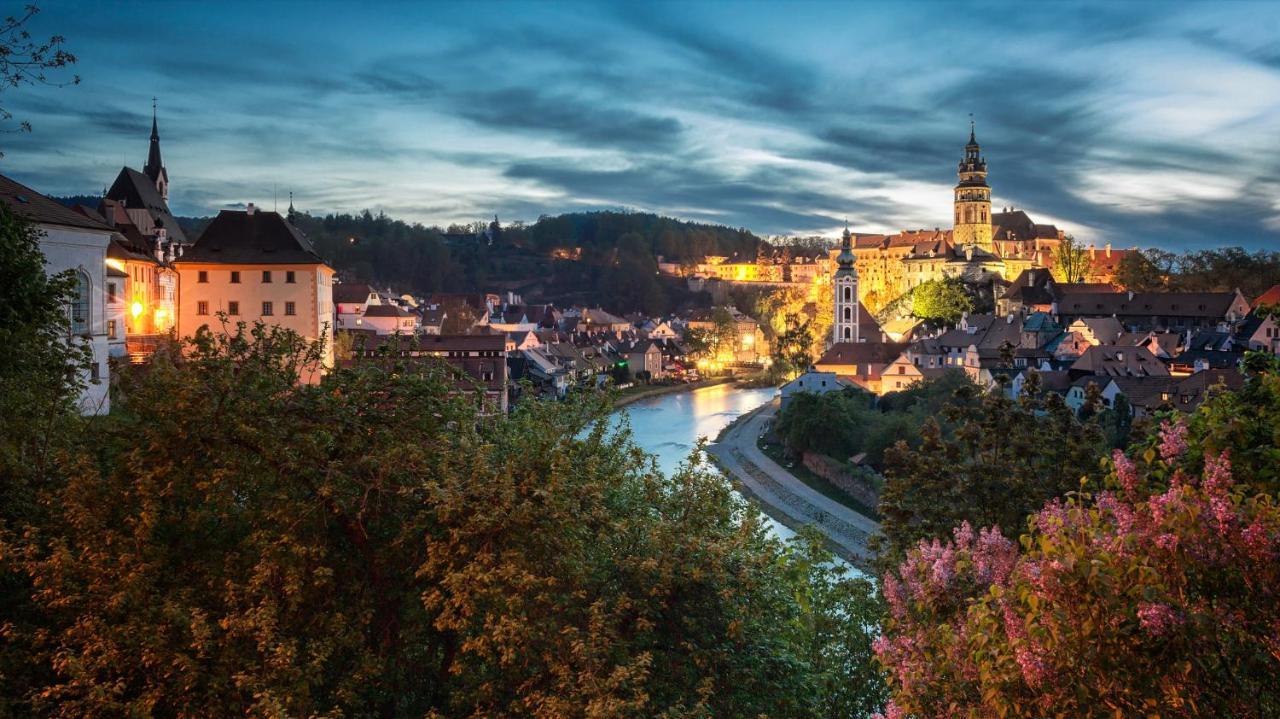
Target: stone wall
856, 485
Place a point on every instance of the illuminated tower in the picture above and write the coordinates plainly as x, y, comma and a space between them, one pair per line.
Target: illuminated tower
973, 199
844, 327
154, 168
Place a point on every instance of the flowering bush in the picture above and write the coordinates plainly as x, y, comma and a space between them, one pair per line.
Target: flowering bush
1158, 595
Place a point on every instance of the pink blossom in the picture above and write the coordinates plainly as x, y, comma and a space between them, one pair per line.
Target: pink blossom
1173, 440
1217, 472
892, 590
891, 711
963, 535
1258, 542
994, 557
1167, 541
1157, 619
1126, 472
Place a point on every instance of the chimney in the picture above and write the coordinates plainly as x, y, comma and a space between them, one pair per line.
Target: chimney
250, 208
1130, 295
1108, 249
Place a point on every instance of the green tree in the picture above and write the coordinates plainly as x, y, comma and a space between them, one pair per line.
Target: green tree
944, 300
1001, 460
234, 543
1137, 272
1070, 261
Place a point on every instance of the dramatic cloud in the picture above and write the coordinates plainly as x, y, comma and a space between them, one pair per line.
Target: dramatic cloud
1122, 123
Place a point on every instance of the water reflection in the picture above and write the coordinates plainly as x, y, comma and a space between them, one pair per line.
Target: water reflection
669, 426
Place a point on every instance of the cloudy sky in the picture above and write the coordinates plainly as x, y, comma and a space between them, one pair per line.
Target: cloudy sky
1146, 123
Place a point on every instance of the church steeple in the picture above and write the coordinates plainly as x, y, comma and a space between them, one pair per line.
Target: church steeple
844, 326
973, 198
154, 168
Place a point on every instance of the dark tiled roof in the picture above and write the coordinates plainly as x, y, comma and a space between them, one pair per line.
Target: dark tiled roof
35, 207
260, 237
386, 311
351, 293
1131, 304
137, 191
847, 353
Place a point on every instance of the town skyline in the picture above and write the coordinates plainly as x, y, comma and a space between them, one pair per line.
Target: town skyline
709, 116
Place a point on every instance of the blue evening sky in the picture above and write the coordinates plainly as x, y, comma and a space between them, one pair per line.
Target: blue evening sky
1146, 123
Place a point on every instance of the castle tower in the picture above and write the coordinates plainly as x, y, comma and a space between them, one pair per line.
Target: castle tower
844, 327
155, 166
973, 199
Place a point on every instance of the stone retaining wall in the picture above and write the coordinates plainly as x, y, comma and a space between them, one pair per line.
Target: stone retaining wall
855, 485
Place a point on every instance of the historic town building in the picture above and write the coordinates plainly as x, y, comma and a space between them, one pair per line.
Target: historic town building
981, 244
844, 327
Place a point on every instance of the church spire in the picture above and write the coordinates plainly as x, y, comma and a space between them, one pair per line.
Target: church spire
154, 168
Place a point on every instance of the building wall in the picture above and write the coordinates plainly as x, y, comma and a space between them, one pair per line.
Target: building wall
311, 293
85, 250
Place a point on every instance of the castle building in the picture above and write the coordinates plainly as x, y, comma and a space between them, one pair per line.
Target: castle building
844, 327
980, 245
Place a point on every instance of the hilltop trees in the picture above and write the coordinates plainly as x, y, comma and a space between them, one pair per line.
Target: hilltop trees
1070, 261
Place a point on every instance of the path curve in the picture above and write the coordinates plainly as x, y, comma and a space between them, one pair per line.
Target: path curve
775, 487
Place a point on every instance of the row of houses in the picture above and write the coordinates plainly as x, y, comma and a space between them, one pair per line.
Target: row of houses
1155, 349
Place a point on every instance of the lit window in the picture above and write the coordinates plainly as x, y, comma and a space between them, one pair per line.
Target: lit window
111, 329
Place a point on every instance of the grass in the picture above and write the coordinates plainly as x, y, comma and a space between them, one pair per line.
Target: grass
818, 484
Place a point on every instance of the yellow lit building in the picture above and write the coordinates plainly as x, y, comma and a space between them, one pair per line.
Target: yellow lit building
980, 244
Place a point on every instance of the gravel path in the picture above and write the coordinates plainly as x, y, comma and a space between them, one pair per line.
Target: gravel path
782, 493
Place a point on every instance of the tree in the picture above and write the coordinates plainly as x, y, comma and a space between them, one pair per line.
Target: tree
1136, 272
1070, 261
26, 61
233, 542
1157, 592
996, 461
944, 300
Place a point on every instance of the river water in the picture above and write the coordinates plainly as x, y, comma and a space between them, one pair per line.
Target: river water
669, 426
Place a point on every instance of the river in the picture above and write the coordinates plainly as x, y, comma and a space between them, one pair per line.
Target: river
669, 426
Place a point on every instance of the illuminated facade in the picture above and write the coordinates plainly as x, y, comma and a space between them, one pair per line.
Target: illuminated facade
844, 326
980, 245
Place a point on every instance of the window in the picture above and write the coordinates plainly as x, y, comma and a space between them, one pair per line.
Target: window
233, 308
266, 276
288, 277
268, 309
79, 309
235, 277
290, 308
203, 276
95, 372
111, 329
202, 307
111, 292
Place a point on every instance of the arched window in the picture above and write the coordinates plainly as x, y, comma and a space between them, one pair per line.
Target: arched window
80, 304
848, 294
848, 333
848, 314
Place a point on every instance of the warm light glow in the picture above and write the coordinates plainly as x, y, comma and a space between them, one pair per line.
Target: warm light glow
115, 264
136, 309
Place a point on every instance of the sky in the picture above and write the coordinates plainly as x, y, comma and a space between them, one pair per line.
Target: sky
1142, 123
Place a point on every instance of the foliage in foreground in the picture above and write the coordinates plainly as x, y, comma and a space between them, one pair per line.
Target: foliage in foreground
233, 543
1159, 595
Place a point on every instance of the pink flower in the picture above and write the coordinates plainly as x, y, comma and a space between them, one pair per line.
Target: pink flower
1157, 619
1126, 472
1173, 440
964, 535
1217, 472
994, 556
1167, 542
892, 590
891, 711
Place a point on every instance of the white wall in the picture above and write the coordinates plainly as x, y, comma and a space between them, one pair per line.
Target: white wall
67, 248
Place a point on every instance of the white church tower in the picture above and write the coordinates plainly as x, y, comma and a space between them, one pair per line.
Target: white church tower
844, 328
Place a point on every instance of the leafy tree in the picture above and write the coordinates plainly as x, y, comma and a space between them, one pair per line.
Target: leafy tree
1001, 460
1158, 594
945, 300
1139, 273
39, 384
235, 543
1070, 261
28, 61
792, 351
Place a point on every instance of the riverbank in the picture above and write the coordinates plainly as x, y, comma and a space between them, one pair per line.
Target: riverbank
782, 496
651, 392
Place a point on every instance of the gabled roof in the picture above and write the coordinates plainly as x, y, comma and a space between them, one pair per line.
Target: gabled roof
851, 353
35, 207
351, 293
258, 237
387, 310
1130, 304
137, 191
1270, 297
1119, 362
